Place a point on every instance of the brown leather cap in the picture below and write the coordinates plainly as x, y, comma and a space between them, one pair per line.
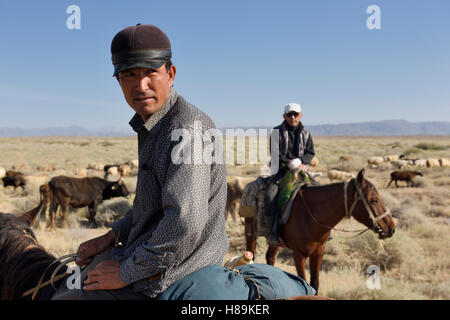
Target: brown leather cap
140, 46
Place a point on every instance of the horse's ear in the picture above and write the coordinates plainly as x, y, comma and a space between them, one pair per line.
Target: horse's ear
360, 177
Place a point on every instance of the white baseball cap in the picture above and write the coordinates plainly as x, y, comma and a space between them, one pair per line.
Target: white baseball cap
292, 107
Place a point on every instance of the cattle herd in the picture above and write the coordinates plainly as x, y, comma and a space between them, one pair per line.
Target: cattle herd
64, 192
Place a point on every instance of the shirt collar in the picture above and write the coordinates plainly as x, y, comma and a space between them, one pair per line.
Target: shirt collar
137, 123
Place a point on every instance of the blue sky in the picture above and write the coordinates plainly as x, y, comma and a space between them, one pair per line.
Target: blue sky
239, 61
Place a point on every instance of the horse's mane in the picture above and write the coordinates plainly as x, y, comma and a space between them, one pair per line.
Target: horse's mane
22, 260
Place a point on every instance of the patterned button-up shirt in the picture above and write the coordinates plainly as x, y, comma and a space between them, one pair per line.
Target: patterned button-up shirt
176, 225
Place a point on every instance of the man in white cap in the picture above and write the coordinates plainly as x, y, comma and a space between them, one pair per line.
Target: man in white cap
296, 145
296, 150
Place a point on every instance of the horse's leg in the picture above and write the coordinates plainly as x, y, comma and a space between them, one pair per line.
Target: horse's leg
396, 185
250, 234
300, 264
271, 255
314, 266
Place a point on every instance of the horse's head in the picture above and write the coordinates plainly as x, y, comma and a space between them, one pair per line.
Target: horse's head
369, 208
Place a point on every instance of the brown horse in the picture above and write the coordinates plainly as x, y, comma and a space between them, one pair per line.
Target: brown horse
22, 260
318, 209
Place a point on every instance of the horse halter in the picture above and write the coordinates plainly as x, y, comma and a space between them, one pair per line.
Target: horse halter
348, 212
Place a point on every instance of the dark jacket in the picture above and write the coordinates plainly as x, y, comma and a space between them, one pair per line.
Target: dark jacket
294, 143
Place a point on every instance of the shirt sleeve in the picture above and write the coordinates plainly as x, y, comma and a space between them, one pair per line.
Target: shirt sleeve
309, 151
185, 196
122, 227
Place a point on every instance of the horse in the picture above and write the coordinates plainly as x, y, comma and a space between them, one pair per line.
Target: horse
23, 262
27, 269
316, 210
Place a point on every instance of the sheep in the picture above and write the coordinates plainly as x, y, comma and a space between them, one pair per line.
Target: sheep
96, 166
391, 158
2, 172
405, 175
83, 173
314, 162
443, 162
46, 167
124, 170
339, 175
20, 166
374, 161
420, 162
433, 163
112, 171
400, 164
134, 164
346, 158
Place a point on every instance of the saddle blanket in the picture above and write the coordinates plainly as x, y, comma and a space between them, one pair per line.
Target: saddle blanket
252, 204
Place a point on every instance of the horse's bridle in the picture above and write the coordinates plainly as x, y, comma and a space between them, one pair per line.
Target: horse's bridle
348, 212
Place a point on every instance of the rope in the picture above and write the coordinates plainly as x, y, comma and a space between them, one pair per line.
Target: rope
64, 260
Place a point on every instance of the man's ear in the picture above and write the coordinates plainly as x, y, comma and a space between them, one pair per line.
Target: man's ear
172, 72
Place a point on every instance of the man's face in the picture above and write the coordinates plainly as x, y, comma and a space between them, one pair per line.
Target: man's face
146, 90
292, 118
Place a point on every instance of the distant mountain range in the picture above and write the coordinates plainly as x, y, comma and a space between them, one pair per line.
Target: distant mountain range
71, 131
375, 128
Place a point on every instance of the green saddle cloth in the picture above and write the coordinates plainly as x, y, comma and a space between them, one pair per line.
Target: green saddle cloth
287, 185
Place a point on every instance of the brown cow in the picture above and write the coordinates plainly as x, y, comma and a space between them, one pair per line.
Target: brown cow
80, 192
405, 175
14, 178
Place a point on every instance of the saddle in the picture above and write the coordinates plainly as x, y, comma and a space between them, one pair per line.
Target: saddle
253, 205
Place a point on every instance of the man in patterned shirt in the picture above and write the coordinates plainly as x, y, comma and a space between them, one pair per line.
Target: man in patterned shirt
176, 225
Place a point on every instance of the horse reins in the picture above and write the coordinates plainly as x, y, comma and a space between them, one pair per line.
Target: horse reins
63, 261
348, 212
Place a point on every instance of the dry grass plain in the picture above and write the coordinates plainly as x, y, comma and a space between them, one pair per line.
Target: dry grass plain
415, 262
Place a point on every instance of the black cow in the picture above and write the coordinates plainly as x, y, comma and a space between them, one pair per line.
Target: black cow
81, 192
14, 178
